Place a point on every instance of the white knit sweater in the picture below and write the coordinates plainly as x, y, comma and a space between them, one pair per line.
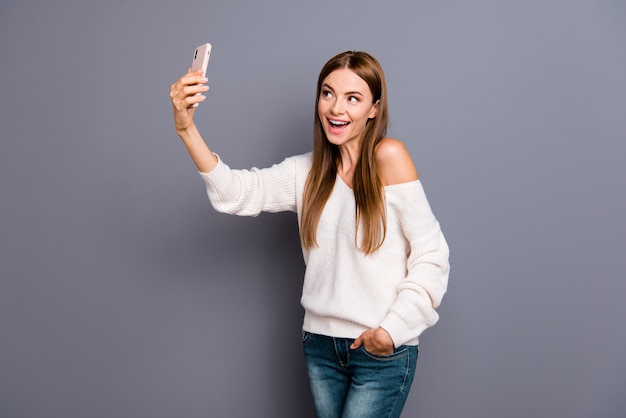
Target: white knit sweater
346, 292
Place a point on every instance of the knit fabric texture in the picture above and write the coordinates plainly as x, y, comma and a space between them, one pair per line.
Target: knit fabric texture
345, 291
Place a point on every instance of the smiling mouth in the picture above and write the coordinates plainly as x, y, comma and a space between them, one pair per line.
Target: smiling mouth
337, 123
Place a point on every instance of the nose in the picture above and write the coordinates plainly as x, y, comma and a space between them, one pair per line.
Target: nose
337, 107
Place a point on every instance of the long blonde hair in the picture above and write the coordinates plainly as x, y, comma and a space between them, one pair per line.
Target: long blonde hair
367, 185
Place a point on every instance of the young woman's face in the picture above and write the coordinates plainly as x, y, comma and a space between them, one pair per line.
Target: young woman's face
344, 106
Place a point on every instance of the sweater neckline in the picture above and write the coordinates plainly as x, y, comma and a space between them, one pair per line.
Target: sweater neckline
387, 187
341, 180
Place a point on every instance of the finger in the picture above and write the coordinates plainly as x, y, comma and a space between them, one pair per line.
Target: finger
191, 78
195, 96
194, 101
357, 343
180, 94
194, 89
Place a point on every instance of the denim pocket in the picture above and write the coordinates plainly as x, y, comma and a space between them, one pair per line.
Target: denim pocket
398, 353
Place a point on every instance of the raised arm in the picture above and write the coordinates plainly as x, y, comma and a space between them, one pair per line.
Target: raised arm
183, 95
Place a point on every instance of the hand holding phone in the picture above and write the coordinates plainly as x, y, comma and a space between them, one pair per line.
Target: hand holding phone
201, 61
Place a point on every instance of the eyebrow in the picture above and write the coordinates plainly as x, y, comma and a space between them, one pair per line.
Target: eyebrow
348, 93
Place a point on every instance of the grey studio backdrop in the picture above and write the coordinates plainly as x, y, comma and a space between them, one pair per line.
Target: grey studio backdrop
123, 294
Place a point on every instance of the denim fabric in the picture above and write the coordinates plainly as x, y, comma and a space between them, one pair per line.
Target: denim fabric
349, 383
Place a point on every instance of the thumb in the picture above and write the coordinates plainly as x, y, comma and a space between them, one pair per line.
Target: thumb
357, 343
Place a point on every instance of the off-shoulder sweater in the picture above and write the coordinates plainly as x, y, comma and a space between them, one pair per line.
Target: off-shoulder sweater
345, 291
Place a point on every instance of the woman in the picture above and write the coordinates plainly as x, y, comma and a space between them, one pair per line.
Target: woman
376, 260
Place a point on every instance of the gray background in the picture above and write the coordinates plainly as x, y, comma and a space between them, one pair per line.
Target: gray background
123, 294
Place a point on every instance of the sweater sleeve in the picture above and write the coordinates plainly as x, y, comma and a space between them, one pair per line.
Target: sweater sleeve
250, 192
427, 266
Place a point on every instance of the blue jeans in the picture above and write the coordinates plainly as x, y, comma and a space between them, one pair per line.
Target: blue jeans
349, 383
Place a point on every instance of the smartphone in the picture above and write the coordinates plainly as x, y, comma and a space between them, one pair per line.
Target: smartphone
201, 61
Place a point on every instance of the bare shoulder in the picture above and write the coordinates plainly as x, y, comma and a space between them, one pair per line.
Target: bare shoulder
395, 164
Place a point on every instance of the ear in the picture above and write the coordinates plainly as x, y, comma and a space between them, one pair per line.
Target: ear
374, 110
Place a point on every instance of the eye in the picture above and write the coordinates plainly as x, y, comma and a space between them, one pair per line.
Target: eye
326, 93
353, 99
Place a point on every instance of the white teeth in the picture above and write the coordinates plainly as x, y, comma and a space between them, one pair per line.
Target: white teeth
337, 123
